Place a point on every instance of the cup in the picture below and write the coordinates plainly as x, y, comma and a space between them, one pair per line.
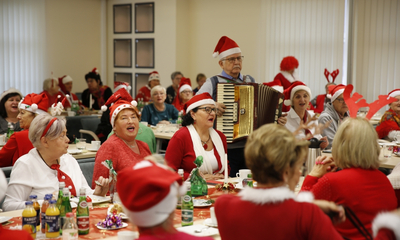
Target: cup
213, 217
243, 173
127, 235
387, 150
95, 145
81, 143
2, 139
71, 113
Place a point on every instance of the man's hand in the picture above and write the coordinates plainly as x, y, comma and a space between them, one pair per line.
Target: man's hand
221, 108
335, 212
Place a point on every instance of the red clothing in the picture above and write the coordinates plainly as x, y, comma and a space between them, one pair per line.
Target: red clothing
14, 234
180, 152
54, 98
365, 191
389, 122
177, 103
160, 234
319, 105
284, 81
145, 93
74, 98
18, 145
121, 155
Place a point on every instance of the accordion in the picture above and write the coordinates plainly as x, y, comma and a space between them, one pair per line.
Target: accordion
248, 107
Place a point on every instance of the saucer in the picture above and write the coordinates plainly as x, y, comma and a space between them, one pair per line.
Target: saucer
92, 149
74, 151
208, 222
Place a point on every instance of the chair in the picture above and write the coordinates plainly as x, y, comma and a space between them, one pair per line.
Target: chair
87, 168
89, 124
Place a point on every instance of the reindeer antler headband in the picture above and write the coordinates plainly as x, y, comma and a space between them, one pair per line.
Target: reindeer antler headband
333, 74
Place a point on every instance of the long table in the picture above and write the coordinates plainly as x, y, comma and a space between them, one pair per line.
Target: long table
384, 162
85, 153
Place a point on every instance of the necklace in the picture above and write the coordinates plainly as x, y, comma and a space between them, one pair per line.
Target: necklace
43, 159
131, 146
205, 146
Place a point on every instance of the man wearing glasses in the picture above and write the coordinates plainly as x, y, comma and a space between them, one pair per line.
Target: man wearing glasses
335, 111
230, 60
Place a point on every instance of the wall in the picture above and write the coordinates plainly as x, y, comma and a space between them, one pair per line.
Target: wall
73, 36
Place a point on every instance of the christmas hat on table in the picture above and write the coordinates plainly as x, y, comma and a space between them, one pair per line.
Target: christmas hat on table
118, 85
335, 91
154, 76
36, 103
121, 100
185, 84
226, 47
289, 63
154, 195
276, 84
197, 101
289, 92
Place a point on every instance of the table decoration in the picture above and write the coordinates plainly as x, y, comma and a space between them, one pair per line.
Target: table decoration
198, 184
112, 221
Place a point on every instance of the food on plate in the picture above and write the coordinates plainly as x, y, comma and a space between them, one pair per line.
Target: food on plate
112, 221
117, 209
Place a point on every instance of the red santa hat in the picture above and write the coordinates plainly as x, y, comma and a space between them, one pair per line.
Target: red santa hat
121, 100
11, 90
36, 103
335, 91
184, 84
118, 85
226, 47
276, 84
394, 93
66, 79
289, 63
154, 76
198, 100
289, 92
154, 195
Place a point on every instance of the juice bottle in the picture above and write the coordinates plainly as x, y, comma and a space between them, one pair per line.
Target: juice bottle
36, 206
82, 213
45, 205
65, 207
52, 220
187, 206
29, 219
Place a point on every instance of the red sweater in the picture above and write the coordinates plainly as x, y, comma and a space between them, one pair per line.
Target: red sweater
121, 155
18, 145
180, 152
145, 93
365, 191
387, 124
319, 106
14, 234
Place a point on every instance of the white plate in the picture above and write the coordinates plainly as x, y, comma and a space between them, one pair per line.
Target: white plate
200, 203
74, 151
92, 149
95, 199
206, 231
123, 215
208, 222
123, 225
4, 219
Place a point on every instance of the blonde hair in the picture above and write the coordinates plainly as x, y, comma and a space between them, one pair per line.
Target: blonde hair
48, 83
158, 88
356, 145
270, 150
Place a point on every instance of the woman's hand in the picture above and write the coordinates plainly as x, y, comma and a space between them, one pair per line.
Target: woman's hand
283, 119
216, 176
164, 122
325, 142
323, 165
335, 212
102, 185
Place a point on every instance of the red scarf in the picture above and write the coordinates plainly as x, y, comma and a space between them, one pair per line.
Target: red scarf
63, 177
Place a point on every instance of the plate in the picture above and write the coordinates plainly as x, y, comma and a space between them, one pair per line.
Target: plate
74, 151
92, 149
123, 225
205, 231
201, 203
95, 199
4, 219
123, 215
208, 222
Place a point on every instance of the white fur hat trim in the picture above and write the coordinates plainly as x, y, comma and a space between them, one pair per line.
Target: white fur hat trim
336, 94
394, 94
32, 108
184, 87
199, 103
289, 102
386, 220
227, 53
67, 79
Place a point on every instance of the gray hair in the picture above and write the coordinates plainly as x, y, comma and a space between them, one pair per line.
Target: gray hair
39, 124
158, 88
48, 82
173, 75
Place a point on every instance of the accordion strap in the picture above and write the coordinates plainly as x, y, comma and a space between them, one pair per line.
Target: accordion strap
357, 223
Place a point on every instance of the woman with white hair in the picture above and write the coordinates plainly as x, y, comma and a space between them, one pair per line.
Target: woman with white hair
39, 171
51, 89
185, 94
159, 111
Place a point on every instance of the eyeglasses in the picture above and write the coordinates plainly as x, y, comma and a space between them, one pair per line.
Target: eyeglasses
158, 94
341, 100
208, 109
233, 59
187, 91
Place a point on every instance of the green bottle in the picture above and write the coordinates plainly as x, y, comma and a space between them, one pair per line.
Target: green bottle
61, 186
82, 213
65, 207
187, 206
10, 131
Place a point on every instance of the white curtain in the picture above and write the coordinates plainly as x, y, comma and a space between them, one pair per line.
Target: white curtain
22, 45
310, 30
376, 47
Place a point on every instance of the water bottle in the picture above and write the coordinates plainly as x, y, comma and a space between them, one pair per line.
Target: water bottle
187, 206
70, 230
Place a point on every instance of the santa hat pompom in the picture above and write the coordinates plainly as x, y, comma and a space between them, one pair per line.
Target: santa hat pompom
129, 88
104, 108
215, 54
34, 107
134, 103
67, 95
329, 96
288, 102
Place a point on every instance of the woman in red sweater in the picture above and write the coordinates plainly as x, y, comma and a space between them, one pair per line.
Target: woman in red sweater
359, 185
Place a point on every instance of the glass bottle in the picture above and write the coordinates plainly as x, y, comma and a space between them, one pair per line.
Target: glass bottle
45, 205
179, 121
61, 186
36, 206
70, 230
10, 131
82, 213
29, 219
52, 220
65, 207
187, 206
181, 172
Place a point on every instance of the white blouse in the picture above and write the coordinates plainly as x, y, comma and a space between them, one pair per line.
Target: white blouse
293, 123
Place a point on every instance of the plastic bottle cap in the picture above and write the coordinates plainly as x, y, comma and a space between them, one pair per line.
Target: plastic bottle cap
65, 190
28, 203
52, 201
47, 197
33, 196
62, 184
69, 215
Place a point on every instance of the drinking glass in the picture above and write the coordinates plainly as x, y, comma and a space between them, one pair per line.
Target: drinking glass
81, 143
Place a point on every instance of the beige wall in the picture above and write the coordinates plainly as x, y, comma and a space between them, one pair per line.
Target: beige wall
73, 33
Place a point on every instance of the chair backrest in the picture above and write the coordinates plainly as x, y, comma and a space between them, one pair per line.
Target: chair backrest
91, 125
87, 167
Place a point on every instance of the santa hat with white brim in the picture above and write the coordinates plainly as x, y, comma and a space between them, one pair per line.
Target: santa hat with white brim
276, 84
118, 85
394, 93
154, 76
121, 100
184, 84
154, 195
289, 92
36, 103
66, 79
335, 91
226, 47
197, 101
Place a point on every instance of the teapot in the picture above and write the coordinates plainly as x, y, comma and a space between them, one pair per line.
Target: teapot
313, 152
